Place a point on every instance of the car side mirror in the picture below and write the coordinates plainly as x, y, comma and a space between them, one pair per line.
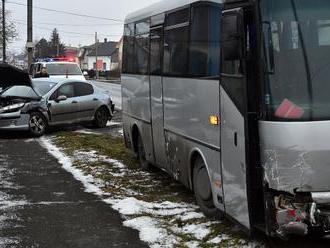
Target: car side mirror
61, 98
232, 35
85, 73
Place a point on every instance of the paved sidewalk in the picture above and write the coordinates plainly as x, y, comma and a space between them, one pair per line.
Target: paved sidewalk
42, 205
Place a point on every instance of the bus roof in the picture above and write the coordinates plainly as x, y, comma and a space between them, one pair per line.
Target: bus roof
162, 7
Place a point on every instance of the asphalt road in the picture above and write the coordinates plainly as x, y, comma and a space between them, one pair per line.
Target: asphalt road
113, 89
42, 205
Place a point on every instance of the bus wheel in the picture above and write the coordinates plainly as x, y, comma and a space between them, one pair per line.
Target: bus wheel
142, 154
203, 191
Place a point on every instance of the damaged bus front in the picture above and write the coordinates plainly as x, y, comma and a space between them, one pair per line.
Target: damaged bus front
295, 135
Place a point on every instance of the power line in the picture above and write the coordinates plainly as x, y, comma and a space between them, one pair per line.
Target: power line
67, 12
71, 25
68, 32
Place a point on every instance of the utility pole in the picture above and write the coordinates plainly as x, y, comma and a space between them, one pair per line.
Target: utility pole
29, 44
3, 32
96, 48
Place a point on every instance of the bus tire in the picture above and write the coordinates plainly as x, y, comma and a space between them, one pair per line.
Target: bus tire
203, 191
145, 165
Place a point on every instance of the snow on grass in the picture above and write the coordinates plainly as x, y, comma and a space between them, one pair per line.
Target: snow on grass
150, 231
134, 194
84, 131
113, 123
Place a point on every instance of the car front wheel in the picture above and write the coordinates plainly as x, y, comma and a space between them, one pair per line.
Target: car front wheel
37, 124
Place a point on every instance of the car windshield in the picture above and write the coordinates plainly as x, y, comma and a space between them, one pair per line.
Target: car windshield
297, 41
63, 69
20, 91
43, 87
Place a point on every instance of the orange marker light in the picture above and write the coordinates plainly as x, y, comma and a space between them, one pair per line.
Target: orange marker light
214, 120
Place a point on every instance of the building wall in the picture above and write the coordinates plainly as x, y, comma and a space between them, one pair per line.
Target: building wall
106, 59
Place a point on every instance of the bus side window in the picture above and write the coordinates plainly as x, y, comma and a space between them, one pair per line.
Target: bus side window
176, 45
128, 49
205, 41
141, 46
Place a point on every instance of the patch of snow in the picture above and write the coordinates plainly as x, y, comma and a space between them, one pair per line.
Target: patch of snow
112, 123
219, 239
199, 231
191, 215
192, 244
9, 242
133, 206
121, 131
84, 131
150, 232
5, 204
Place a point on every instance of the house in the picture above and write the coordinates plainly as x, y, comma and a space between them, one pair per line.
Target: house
107, 56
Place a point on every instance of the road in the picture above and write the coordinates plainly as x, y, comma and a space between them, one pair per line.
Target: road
42, 205
113, 89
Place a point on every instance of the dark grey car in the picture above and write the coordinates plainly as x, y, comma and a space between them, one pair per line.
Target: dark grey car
35, 105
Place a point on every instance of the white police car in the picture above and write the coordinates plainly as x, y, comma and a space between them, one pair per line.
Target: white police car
57, 68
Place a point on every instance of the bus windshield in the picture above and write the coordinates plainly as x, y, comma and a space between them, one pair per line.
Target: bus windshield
297, 45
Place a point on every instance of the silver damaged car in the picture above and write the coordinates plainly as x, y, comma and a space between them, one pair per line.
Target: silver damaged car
36, 104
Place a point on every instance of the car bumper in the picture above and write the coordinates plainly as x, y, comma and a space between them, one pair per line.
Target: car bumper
14, 121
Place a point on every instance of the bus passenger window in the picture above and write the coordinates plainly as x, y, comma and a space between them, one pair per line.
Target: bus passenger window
176, 43
141, 46
128, 49
205, 41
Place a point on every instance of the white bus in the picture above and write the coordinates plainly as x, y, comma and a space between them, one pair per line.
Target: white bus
231, 99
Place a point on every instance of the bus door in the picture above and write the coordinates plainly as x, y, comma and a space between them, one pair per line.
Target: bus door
233, 115
156, 88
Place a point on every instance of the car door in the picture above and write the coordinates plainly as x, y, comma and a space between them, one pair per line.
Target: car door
65, 111
88, 101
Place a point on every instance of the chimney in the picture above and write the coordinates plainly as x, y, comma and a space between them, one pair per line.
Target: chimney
105, 40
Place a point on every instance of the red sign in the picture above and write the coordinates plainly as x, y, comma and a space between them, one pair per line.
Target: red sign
99, 64
289, 110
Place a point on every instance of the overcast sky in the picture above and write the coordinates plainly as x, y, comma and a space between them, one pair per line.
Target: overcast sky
45, 21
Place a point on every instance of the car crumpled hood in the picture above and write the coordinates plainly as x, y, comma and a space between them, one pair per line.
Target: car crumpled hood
12, 76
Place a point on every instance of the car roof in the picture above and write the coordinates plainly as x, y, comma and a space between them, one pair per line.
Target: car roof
58, 80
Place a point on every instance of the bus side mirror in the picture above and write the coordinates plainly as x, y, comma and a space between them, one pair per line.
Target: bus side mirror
232, 35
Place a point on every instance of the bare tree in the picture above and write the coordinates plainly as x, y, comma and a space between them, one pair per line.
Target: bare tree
11, 32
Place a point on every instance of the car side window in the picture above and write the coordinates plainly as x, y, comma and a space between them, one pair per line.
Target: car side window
66, 90
54, 96
83, 89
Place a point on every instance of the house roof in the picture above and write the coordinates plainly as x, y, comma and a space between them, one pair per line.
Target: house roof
162, 7
104, 49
